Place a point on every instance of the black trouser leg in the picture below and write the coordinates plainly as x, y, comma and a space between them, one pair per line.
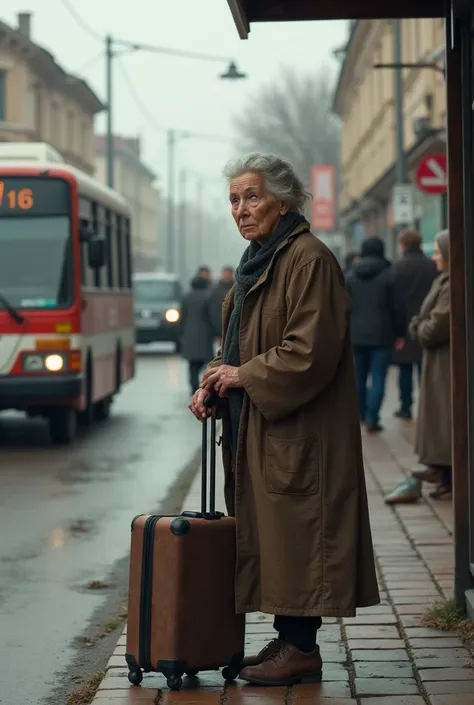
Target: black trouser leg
299, 631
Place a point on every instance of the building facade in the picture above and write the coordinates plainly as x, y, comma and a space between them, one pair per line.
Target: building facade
136, 182
364, 100
40, 102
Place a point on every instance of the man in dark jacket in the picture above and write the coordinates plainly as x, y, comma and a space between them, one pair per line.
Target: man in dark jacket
378, 322
196, 330
216, 298
416, 274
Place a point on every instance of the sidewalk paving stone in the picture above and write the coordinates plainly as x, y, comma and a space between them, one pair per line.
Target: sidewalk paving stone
384, 645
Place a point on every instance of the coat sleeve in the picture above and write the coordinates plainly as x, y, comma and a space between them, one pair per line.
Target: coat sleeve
184, 313
433, 330
397, 304
215, 312
291, 374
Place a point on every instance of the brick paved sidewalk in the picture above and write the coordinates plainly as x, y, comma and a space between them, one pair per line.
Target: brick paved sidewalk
381, 657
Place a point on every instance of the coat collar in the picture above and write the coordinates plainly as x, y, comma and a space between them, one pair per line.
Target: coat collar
299, 230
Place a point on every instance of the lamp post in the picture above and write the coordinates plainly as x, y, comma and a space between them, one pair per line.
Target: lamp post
116, 47
397, 66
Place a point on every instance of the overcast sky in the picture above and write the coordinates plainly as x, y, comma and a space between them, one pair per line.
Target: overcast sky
175, 92
180, 93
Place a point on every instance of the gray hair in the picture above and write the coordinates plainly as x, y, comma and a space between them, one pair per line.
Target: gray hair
279, 175
442, 240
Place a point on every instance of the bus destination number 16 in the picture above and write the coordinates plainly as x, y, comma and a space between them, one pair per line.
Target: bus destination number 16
16, 199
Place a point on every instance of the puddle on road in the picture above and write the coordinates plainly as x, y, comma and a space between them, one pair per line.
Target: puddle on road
79, 528
90, 469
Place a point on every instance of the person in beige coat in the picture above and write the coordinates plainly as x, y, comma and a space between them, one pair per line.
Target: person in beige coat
294, 475
433, 429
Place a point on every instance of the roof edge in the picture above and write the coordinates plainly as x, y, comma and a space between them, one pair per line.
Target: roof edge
239, 14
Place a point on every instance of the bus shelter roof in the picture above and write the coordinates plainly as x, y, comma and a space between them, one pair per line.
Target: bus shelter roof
245, 12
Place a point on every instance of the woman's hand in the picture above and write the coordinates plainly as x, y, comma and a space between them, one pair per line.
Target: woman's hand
197, 406
221, 379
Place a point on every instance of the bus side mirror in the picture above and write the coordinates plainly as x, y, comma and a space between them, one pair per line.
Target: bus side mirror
96, 252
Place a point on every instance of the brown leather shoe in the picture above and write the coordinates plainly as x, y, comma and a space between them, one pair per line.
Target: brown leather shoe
285, 666
267, 650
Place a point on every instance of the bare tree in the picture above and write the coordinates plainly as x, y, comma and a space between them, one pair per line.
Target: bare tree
292, 118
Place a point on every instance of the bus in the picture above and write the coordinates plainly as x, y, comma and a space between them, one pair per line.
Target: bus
67, 334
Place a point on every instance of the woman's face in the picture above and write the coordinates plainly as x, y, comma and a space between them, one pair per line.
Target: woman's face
438, 259
254, 210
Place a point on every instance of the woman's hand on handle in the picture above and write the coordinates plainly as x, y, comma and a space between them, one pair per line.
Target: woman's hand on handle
221, 379
197, 405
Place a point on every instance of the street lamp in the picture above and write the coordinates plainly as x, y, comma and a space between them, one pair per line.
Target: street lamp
231, 74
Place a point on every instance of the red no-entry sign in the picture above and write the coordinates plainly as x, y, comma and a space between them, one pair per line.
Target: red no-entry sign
431, 174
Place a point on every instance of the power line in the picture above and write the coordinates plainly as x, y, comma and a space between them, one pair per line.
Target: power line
81, 22
92, 61
147, 114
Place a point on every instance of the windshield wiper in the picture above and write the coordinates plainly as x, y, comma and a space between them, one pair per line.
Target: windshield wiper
16, 315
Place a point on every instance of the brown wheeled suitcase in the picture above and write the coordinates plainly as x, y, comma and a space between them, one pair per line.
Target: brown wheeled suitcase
181, 605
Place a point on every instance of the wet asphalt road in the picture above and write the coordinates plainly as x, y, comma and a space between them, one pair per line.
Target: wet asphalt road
65, 518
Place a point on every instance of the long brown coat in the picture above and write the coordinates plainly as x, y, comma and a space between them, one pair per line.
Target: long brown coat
297, 486
431, 327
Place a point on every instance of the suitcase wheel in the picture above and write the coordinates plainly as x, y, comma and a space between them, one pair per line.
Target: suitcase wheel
230, 673
192, 674
174, 682
135, 676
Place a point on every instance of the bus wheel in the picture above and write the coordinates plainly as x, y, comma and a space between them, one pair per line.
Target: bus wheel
102, 409
63, 425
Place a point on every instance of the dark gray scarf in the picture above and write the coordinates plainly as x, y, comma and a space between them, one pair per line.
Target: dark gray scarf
253, 264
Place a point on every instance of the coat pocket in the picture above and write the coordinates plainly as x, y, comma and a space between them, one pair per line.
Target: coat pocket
292, 465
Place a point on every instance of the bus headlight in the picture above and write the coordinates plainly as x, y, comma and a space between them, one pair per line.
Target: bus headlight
172, 315
33, 363
54, 363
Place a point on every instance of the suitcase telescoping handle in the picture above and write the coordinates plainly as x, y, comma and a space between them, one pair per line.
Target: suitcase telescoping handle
211, 400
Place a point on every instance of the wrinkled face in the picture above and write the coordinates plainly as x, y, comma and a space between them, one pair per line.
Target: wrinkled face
438, 259
254, 210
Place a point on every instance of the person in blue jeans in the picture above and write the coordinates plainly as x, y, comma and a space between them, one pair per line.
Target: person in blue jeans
378, 324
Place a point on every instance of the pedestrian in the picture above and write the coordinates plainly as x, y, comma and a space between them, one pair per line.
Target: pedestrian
349, 261
196, 330
431, 327
204, 272
216, 298
416, 274
378, 323
294, 475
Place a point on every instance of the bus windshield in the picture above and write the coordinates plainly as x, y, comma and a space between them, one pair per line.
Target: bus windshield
36, 269
155, 290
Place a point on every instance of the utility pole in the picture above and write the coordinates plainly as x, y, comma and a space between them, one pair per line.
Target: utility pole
110, 135
171, 205
400, 167
199, 225
181, 239
397, 59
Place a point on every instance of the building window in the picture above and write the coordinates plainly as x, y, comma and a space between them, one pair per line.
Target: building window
3, 95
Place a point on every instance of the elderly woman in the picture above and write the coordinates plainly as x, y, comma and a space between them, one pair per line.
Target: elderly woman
433, 429
294, 476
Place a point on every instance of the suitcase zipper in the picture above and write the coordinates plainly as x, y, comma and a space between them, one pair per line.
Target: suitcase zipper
146, 594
